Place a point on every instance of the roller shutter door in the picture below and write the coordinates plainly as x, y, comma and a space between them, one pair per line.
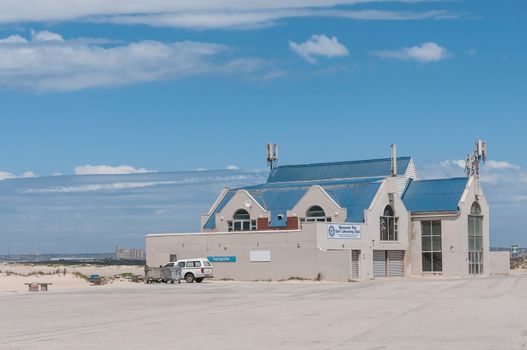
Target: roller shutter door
379, 263
395, 263
355, 263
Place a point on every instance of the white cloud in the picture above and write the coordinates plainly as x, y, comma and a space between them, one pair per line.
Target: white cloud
48, 64
204, 14
45, 36
255, 19
319, 45
494, 164
232, 167
109, 170
426, 52
4, 175
13, 39
97, 187
503, 182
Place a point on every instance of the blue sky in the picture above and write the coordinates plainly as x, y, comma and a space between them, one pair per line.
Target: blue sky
180, 85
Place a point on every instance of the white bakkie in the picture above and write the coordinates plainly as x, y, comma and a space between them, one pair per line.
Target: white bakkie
194, 269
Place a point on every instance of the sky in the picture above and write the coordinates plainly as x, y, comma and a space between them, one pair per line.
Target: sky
132, 87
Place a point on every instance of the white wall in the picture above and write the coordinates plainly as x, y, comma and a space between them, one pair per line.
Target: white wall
500, 263
293, 253
454, 235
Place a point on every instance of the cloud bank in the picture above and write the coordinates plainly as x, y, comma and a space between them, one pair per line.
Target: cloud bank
319, 45
48, 62
205, 14
109, 170
426, 52
4, 175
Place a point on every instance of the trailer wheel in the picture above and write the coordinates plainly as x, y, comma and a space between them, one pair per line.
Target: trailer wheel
189, 278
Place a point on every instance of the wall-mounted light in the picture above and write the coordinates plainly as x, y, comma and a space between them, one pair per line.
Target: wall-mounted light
225, 247
297, 245
221, 218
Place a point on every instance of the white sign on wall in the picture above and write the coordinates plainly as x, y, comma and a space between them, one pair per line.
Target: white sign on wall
260, 255
343, 231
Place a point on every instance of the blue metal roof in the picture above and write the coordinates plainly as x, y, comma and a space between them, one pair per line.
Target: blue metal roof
211, 222
340, 170
353, 194
434, 195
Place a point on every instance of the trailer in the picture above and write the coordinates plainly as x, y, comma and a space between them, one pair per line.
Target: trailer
168, 274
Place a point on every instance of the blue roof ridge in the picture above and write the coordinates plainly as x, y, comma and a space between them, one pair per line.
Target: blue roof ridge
343, 162
444, 179
374, 179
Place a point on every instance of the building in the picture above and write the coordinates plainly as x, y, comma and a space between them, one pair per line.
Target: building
342, 221
129, 253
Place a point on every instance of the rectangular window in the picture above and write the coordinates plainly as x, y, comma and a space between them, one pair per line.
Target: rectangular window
389, 227
431, 246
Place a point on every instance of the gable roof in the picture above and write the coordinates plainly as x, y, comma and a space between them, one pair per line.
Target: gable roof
440, 195
340, 170
355, 195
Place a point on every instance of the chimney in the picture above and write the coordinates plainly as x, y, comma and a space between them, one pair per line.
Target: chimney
393, 157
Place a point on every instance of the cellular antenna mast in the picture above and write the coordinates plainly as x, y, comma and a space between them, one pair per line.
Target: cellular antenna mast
473, 159
272, 155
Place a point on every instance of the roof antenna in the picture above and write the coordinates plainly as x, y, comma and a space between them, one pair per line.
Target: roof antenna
393, 158
272, 155
473, 159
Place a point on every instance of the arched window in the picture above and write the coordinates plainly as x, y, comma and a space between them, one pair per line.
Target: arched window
316, 214
388, 225
241, 221
475, 240
476, 209
241, 214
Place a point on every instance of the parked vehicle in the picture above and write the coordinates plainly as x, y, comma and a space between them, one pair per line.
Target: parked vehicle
194, 269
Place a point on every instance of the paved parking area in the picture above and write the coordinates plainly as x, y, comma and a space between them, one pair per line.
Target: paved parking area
481, 313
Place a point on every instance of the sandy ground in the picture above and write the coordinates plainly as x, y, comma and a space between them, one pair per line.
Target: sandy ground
479, 313
14, 276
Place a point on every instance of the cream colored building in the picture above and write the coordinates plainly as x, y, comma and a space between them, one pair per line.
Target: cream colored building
341, 221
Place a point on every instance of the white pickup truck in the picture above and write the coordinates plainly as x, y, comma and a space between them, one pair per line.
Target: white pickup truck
194, 269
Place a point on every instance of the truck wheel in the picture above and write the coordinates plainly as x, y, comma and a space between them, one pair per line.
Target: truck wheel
189, 278
199, 280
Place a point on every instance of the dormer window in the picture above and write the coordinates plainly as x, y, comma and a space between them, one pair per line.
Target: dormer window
388, 225
316, 214
241, 221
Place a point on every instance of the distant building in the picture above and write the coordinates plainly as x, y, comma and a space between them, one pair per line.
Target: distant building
129, 253
353, 220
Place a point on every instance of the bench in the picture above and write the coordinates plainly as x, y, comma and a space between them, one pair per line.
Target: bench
36, 286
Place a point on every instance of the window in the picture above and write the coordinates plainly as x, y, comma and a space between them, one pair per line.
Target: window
173, 257
190, 263
388, 225
181, 264
432, 256
197, 264
316, 214
475, 240
241, 221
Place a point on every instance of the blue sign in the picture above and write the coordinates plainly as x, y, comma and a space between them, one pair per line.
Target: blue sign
222, 259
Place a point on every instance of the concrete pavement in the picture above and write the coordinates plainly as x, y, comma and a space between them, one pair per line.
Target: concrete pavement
480, 313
